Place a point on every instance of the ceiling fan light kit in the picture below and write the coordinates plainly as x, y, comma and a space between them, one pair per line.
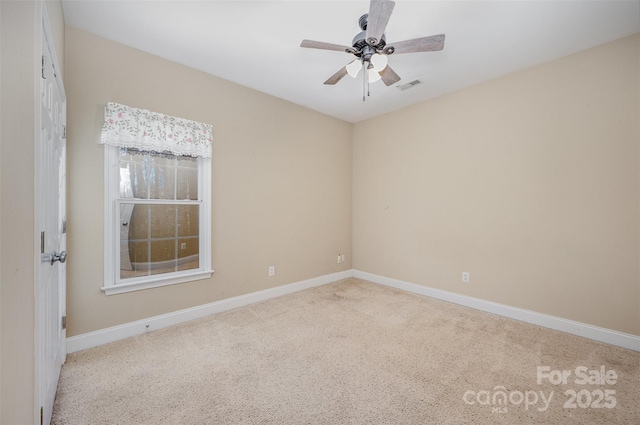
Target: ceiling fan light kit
379, 62
373, 76
371, 49
376, 64
353, 68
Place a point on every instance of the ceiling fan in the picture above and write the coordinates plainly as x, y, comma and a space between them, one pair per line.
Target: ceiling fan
371, 49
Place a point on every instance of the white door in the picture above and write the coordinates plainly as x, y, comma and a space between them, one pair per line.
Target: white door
51, 222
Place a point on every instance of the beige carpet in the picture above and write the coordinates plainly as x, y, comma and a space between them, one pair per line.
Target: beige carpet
352, 352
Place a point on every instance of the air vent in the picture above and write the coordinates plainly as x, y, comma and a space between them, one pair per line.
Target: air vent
409, 85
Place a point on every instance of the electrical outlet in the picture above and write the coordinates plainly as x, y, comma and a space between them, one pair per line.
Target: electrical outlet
465, 277
339, 258
183, 245
272, 270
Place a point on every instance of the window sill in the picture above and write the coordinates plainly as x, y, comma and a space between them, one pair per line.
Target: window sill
156, 282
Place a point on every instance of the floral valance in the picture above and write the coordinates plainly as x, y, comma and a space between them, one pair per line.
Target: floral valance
151, 131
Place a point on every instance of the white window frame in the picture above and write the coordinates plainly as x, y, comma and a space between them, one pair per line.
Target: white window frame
112, 283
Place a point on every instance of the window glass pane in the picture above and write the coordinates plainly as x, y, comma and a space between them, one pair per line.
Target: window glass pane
134, 174
188, 254
163, 221
162, 170
187, 184
163, 256
158, 238
138, 220
125, 180
188, 246
139, 255
188, 220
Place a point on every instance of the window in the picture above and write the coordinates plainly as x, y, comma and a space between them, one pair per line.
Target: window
157, 218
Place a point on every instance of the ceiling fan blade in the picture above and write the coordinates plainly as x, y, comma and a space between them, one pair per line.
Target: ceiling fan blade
433, 43
379, 14
389, 76
324, 46
337, 76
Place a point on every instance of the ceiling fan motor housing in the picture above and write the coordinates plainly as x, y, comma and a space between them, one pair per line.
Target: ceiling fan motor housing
360, 40
362, 22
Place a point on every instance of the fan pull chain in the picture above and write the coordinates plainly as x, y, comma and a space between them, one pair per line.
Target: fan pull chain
365, 82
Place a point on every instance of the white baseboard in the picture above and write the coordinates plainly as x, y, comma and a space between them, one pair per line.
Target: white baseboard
608, 336
115, 333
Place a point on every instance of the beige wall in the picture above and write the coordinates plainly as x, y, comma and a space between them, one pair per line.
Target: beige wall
19, 28
281, 182
529, 182
17, 169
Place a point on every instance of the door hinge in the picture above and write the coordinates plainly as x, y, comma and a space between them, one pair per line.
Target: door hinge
41, 242
64, 322
41, 415
43, 63
64, 131
64, 226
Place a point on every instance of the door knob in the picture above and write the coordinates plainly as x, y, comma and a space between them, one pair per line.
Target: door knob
62, 257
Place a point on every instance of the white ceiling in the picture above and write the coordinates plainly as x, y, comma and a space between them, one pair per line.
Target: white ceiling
257, 43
